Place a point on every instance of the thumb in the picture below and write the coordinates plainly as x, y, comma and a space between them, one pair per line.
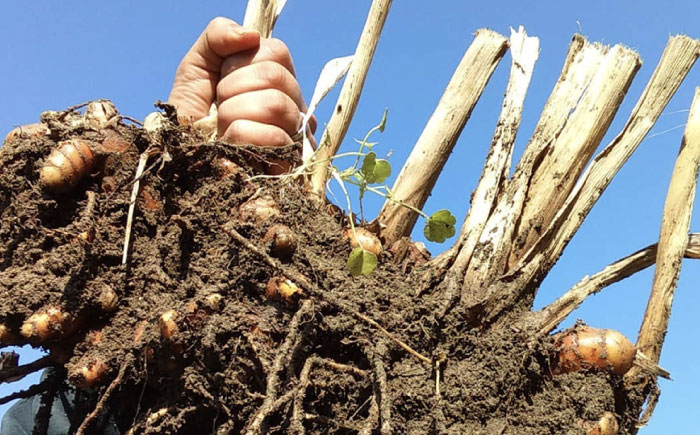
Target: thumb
194, 87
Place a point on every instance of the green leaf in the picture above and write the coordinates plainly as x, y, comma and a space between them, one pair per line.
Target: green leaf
375, 170
368, 164
382, 170
382, 123
440, 226
361, 262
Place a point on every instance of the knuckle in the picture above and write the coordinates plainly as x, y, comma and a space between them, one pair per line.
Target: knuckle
223, 90
235, 132
279, 103
273, 74
278, 49
225, 115
235, 128
218, 22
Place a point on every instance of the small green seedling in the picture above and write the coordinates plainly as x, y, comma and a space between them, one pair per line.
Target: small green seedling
368, 177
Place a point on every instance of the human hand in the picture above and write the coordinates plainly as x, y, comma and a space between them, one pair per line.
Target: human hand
252, 80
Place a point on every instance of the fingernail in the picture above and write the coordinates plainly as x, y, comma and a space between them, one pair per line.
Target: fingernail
238, 30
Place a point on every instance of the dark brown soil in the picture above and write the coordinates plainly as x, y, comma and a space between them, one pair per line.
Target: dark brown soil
314, 365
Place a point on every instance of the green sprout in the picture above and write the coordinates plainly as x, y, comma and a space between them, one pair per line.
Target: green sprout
367, 173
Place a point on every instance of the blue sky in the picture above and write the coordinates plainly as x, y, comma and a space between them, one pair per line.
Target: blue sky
57, 54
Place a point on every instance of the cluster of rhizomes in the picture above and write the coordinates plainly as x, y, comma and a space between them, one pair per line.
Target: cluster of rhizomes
73, 332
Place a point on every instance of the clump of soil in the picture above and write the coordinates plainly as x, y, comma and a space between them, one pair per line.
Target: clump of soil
246, 363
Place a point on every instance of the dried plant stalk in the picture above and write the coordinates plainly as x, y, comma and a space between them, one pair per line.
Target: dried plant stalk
567, 156
582, 61
349, 96
260, 15
524, 52
679, 56
554, 313
418, 176
672, 240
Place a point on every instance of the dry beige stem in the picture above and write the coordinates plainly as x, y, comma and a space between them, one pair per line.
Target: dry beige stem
693, 248
672, 240
420, 172
524, 52
568, 155
143, 159
553, 314
345, 107
679, 56
493, 246
260, 15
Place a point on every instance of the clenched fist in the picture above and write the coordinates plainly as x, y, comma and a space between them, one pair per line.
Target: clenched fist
252, 80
